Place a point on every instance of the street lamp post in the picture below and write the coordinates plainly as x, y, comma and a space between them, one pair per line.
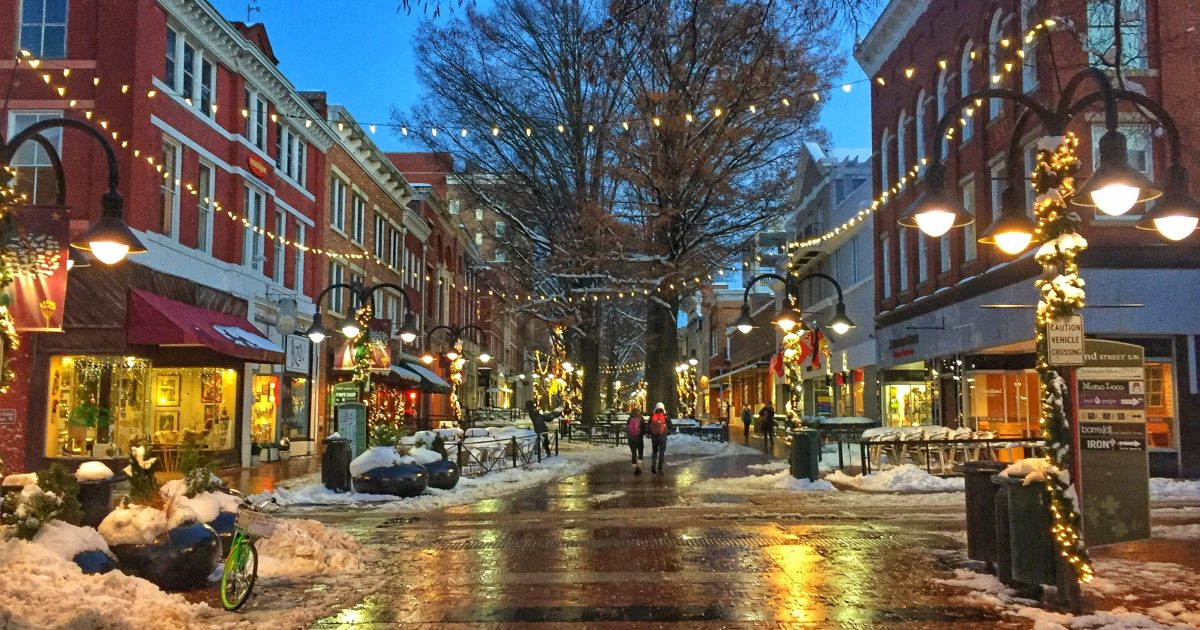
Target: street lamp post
362, 296
1114, 188
457, 361
109, 239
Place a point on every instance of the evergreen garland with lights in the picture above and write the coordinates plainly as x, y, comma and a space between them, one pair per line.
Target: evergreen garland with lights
456, 379
362, 349
9, 197
1061, 294
793, 357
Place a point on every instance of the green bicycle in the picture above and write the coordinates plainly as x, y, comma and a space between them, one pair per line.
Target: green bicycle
241, 565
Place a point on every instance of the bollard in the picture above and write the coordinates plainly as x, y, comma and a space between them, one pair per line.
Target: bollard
513, 442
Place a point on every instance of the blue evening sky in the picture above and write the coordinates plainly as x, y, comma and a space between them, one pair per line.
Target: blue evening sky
361, 53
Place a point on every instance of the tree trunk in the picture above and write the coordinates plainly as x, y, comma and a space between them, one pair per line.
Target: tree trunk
589, 358
662, 352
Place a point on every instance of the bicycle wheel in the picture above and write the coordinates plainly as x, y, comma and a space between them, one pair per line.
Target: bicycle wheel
237, 579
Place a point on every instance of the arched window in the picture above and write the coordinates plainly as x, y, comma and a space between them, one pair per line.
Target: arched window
885, 141
995, 53
966, 63
901, 145
1029, 57
921, 115
943, 95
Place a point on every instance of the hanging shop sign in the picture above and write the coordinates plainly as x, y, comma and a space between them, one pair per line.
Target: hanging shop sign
258, 167
1064, 341
346, 392
37, 257
1114, 474
296, 354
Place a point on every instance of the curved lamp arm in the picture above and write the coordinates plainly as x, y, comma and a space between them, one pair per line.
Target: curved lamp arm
37, 128
822, 276
1156, 108
756, 279
1106, 93
1051, 120
389, 285
326, 290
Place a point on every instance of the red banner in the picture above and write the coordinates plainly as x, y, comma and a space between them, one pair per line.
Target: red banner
37, 258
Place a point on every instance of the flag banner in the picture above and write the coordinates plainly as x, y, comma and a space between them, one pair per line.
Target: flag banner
36, 242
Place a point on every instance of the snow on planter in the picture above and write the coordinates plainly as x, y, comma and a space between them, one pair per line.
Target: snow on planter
302, 547
374, 457
133, 525
68, 541
55, 593
425, 456
1031, 469
93, 471
206, 506
906, 478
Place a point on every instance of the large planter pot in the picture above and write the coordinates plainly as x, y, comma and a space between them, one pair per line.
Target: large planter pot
401, 480
284, 455
223, 525
180, 559
96, 498
95, 562
443, 475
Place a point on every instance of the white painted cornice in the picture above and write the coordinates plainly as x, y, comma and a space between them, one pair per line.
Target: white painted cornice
897, 20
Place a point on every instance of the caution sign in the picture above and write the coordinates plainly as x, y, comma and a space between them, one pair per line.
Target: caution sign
1064, 341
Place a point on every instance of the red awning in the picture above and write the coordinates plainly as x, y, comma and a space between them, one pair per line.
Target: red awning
153, 320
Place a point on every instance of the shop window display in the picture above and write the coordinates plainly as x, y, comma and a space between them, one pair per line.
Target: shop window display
193, 402
1007, 403
264, 408
295, 417
1160, 404
908, 404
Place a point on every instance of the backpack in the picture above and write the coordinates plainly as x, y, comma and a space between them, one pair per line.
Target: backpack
658, 425
635, 426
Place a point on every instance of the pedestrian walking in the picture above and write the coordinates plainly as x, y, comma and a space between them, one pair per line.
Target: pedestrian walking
747, 420
658, 427
539, 421
766, 426
636, 432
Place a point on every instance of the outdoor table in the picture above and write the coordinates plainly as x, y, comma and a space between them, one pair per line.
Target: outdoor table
712, 432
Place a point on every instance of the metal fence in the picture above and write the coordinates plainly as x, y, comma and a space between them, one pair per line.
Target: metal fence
480, 457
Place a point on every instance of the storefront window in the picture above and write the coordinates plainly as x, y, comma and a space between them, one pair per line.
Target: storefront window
97, 404
858, 389
908, 403
264, 408
193, 403
1007, 403
1160, 404
295, 420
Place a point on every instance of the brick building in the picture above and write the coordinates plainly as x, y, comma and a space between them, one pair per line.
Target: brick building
222, 186
949, 355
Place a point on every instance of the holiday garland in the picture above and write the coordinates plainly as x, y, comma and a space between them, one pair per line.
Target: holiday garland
9, 339
793, 359
456, 379
1061, 294
362, 349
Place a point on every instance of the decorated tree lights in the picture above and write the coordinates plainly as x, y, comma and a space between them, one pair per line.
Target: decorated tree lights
456, 378
363, 344
793, 361
1060, 294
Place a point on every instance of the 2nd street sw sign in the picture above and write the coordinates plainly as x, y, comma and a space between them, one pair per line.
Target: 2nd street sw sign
1064, 341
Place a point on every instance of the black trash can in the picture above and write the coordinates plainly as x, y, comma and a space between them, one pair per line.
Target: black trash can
96, 498
981, 509
1002, 551
1031, 544
335, 464
806, 454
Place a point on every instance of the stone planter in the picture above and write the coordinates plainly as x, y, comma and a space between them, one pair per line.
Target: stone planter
223, 525
284, 455
180, 559
95, 562
443, 475
401, 480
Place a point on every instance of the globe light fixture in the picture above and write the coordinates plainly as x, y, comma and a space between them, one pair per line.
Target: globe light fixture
1115, 186
427, 358
452, 355
1013, 231
744, 322
350, 328
408, 332
485, 357
109, 239
936, 211
789, 319
1175, 215
316, 331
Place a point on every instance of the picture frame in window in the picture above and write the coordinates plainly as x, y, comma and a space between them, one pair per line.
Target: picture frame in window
210, 388
166, 390
166, 421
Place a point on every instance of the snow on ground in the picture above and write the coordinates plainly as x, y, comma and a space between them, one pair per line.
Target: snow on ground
1174, 489
768, 467
303, 547
680, 444
42, 590
782, 480
68, 541
1190, 531
596, 499
906, 478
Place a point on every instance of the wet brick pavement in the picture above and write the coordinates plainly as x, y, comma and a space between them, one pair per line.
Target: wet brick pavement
607, 549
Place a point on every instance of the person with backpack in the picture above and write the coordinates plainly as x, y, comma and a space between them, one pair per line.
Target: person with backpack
747, 420
539, 421
766, 425
658, 428
635, 431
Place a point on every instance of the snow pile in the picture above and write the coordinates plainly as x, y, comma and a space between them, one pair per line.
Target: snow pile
424, 456
782, 480
42, 590
93, 471
1190, 531
302, 547
768, 467
681, 444
1032, 469
133, 525
20, 480
374, 457
906, 478
206, 506
1165, 489
596, 499
68, 541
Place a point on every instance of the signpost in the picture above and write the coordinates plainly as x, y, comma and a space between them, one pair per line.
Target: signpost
352, 425
1114, 472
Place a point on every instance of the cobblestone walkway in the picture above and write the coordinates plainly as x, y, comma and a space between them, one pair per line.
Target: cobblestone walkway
607, 549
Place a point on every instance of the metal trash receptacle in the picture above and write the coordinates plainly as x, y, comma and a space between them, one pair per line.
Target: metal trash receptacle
806, 454
96, 499
981, 508
1031, 545
335, 464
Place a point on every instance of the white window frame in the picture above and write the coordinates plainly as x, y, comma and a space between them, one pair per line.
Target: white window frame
206, 203
922, 112
901, 144
1029, 64
885, 253
943, 95
256, 113
998, 182
923, 257
192, 88
454, 206
298, 270
995, 34
337, 275
964, 88
884, 148
358, 217
970, 204
380, 236
254, 211
902, 262
40, 49
337, 204
279, 255
499, 228
394, 246
38, 169
170, 182
1135, 56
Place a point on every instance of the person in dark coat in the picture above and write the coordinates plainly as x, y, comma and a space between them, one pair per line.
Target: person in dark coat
539, 421
747, 420
766, 425
635, 432
658, 437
